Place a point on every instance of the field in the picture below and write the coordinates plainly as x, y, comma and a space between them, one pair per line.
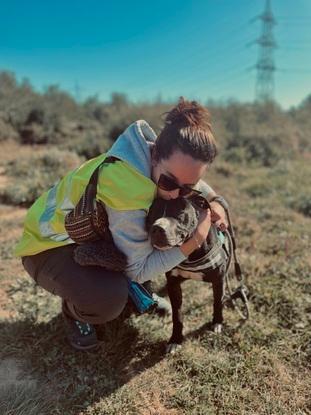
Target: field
261, 367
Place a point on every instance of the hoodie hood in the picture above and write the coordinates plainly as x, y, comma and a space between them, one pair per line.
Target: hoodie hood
133, 146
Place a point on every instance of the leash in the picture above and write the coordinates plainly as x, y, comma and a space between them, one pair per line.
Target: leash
237, 298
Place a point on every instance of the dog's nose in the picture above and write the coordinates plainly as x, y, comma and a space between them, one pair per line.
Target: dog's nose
158, 236
157, 231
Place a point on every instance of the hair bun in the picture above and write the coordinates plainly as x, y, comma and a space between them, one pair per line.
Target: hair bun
188, 113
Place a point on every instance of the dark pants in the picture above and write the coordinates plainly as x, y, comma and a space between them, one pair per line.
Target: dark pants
90, 293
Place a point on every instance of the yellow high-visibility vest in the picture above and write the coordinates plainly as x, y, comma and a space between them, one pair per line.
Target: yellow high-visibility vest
120, 186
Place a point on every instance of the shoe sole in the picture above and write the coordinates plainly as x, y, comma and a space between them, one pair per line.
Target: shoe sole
90, 347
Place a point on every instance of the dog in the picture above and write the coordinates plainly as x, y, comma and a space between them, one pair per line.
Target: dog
170, 223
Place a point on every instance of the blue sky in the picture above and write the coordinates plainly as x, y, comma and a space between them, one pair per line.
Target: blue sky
169, 48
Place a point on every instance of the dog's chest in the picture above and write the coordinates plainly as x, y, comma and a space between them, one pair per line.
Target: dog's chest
178, 272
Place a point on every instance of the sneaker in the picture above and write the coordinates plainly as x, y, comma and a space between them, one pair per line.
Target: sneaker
81, 336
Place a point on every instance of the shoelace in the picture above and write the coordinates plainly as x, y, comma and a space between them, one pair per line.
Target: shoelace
84, 328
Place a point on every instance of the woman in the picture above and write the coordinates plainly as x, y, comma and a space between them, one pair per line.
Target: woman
167, 166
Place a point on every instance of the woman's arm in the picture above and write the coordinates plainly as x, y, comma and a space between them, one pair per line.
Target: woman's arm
144, 262
129, 235
206, 190
219, 217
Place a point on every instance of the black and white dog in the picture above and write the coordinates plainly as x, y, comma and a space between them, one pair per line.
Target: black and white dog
169, 224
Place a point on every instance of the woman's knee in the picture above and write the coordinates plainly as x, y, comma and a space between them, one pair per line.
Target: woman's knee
104, 300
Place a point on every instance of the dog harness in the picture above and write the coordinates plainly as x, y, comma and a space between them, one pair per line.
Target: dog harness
216, 255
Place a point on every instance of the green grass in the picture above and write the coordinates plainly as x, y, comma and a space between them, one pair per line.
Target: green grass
261, 367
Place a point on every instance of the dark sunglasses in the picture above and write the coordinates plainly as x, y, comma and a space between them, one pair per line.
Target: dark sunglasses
168, 184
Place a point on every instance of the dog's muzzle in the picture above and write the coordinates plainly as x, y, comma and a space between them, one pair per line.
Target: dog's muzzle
162, 234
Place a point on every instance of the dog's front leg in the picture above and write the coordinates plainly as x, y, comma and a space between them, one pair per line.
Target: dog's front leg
218, 292
175, 295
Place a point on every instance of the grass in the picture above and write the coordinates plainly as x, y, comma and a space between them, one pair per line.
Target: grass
25, 399
261, 367
35, 173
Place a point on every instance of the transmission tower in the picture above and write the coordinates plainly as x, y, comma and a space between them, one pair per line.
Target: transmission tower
265, 63
77, 91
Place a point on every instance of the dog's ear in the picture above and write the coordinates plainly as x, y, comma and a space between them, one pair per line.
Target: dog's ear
148, 222
155, 212
199, 201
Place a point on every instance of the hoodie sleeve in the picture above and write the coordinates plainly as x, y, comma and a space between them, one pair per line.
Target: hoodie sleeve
129, 235
206, 190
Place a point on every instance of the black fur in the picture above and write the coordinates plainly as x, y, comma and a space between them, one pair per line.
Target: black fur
100, 253
181, 219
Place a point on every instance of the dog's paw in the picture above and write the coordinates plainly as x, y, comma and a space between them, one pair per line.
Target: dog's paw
217, 328
172, 348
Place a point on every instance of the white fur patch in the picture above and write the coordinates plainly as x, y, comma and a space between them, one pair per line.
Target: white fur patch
198, 276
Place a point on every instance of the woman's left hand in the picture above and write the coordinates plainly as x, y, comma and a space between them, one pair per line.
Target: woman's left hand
219, 217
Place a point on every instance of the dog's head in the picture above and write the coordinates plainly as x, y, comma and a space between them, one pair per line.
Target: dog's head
171, 222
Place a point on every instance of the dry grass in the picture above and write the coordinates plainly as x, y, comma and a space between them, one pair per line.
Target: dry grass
259, 368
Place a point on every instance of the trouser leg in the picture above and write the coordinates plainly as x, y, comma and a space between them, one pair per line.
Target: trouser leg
92, 294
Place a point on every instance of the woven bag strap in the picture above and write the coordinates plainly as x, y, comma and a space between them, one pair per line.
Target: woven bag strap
86, 202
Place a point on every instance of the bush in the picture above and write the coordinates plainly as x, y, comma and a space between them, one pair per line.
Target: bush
6, 129
302, 204
33, 175
257, 187
264, 150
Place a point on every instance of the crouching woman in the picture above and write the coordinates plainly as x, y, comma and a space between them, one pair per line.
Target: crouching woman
144, 166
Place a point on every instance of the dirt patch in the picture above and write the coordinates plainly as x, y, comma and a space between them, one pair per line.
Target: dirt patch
11, 226
4, 180
10, 150
11, 212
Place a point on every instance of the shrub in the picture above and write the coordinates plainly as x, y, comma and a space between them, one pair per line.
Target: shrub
257, 187
302, 204
32, 175
263, 150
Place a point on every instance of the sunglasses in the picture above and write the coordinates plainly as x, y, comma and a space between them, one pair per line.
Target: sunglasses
168, 184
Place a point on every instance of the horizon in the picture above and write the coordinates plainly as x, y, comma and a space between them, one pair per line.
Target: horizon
202, 51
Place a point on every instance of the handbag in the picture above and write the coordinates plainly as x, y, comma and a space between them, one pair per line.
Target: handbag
88, 221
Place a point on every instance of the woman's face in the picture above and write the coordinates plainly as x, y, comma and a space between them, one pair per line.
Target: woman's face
183, 169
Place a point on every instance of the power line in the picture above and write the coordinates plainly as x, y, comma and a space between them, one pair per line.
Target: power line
294, 18
297, 70
194, 70
204, 52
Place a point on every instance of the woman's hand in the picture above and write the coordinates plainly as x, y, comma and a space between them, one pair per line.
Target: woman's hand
219, 217
204, 224
199, 235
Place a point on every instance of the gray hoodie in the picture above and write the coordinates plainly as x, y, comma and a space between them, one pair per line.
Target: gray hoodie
128, 226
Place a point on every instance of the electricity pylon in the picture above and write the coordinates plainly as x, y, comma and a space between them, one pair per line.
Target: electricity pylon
265, 63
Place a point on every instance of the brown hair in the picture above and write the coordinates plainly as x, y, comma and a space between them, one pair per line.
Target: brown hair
188, 129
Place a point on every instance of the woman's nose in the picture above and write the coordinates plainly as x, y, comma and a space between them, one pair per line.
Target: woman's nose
174, 194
